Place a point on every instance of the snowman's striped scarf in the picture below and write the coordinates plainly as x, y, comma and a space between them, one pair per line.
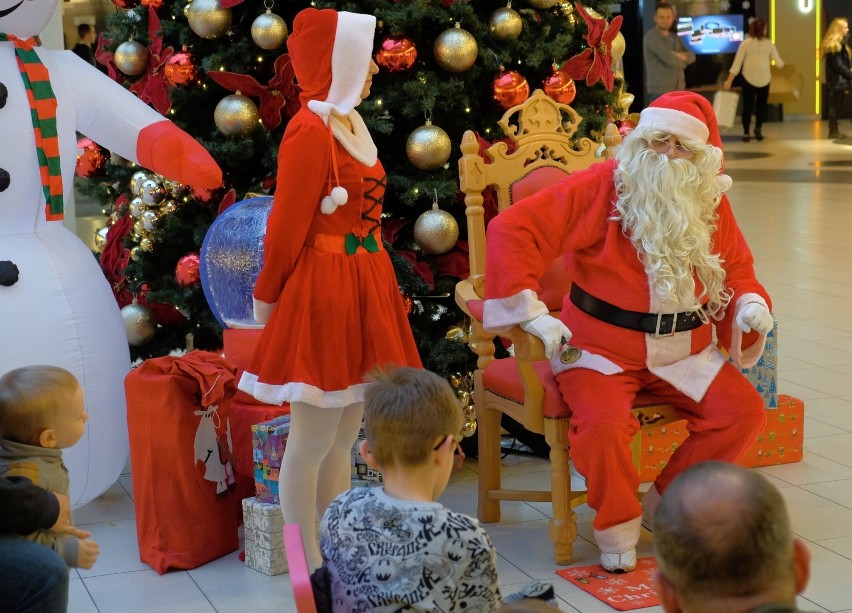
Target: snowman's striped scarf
43, 112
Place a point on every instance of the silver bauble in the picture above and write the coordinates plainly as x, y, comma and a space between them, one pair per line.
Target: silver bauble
139, 324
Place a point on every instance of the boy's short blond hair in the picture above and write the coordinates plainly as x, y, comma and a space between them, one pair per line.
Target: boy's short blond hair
406, 411
29, 399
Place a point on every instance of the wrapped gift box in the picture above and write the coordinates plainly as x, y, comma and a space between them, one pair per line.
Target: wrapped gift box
763, 375
363, 475
780, 442
269, 439
264, 539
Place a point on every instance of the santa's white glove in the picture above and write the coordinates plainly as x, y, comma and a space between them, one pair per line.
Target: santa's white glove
754, 316
550, 330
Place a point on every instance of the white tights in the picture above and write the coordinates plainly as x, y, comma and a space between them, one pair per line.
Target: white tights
316, 466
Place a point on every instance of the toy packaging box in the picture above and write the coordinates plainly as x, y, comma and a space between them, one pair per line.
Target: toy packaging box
269, 439
264, 538
363, 475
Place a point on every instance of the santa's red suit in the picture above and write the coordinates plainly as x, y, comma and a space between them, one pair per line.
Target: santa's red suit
577, 217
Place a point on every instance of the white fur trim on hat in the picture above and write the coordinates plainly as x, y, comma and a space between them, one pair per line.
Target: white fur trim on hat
350, 60
674, 122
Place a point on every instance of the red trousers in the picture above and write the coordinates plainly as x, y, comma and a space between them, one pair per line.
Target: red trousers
721, 426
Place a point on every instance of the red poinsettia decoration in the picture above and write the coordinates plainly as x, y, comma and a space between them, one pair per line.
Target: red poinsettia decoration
280, 93
152, 87
105, 57
595, 62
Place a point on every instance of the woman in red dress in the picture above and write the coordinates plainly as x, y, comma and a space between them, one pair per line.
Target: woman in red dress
327, 292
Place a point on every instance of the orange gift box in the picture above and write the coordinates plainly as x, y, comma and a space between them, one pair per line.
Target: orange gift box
780, 442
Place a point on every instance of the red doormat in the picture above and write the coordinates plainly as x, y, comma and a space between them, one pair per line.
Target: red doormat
624, 592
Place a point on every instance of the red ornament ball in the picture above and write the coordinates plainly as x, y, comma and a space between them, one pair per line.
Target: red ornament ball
560, 87
180, 69
396, 54
626, 127
510, 88
91, 159
126, 4
187, 271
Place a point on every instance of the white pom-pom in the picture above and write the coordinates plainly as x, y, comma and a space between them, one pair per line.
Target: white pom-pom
724, 182
340, 195
327, 205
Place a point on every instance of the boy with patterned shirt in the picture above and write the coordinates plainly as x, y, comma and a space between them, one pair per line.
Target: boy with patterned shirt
395, 546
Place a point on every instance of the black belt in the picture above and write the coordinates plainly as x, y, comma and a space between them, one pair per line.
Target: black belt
660, 324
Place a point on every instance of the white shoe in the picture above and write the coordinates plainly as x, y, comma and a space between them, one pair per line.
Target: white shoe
619, 562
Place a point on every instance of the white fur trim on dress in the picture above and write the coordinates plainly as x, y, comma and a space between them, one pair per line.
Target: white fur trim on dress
499, 314
301, 392
674, 122
749, 357
350, 60
619, 538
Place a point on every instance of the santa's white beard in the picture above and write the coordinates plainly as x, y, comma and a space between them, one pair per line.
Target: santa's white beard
668, 209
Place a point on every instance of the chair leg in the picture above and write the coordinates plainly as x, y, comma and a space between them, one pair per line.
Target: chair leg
489, 456
562, 529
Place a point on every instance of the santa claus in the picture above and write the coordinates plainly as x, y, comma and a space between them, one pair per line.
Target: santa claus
657, 263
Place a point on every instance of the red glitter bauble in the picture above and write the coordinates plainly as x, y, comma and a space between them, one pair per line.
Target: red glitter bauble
510, 88
91, 159
187, 271
396, 54
180, 69
560, 87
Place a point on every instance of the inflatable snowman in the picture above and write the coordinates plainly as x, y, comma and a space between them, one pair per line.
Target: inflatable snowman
55, 305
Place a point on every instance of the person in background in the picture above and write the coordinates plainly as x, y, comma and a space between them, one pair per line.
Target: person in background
41, 413
85, 40
395, 547
665, 55
835, 49
327, 293
724, 544
754, 58
33, 579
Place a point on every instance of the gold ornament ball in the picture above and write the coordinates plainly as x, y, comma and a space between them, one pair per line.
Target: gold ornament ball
236, 115
269, 31
618, 47
436, 231
101, 238
207, 18
139, 324
505, 24
542, 4
131, 58
136, 181
469, 428
169, 206
428, 147
455, 49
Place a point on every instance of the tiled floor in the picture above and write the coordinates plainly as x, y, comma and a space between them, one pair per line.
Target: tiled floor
792, 197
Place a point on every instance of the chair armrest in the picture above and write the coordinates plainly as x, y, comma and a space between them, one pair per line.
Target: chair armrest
465, 296
528, 347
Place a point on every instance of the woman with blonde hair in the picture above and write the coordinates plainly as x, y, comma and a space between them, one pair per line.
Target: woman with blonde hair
754, 58
835, 49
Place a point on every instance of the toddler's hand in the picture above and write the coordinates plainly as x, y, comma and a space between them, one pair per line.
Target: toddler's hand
87, 554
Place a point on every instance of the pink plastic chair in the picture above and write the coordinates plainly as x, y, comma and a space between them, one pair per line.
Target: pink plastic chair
300, 576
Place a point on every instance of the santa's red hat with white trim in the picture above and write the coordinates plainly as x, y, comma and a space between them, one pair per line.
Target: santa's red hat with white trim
684, 114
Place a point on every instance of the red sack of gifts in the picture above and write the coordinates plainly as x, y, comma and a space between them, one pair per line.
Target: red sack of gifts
177, 418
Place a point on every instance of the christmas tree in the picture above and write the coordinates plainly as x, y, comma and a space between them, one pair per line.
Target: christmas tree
219, 69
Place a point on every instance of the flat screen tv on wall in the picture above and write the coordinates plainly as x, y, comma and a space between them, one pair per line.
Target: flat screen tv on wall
711, 34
